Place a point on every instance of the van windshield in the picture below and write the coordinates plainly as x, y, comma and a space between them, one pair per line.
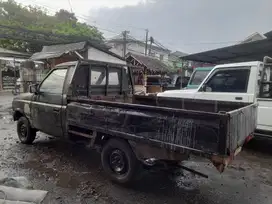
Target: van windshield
198, 77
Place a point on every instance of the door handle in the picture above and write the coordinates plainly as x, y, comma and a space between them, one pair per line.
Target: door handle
56, 110
238, 98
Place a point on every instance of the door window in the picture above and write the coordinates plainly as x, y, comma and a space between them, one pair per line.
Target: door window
54, 82
229, 81
81, 80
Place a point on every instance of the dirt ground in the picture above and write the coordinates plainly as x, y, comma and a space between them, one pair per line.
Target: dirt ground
73, 174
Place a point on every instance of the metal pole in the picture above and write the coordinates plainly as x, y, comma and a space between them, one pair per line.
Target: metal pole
14, 73
125, 42
146, 41
150, 47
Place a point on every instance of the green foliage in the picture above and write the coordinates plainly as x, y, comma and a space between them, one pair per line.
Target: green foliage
38, 20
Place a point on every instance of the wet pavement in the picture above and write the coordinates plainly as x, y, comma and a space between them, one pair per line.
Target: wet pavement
73, 174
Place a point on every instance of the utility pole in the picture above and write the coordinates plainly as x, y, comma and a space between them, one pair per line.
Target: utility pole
150, 47
124, 33
146, 40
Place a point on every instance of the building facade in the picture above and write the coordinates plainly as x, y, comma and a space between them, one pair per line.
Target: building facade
138, 47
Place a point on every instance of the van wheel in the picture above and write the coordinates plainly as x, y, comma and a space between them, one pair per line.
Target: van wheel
119, 161
25, 133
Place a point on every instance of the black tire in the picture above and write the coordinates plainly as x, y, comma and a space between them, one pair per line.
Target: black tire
25, 133
125, 175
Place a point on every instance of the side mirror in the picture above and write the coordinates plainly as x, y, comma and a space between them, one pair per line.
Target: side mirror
203, 88
33, 88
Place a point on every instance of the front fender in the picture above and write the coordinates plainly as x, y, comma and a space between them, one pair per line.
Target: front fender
17, 113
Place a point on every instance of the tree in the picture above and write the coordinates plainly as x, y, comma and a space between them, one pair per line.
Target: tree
65, 16
34, 20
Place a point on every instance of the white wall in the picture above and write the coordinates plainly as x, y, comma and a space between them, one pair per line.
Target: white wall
137, 48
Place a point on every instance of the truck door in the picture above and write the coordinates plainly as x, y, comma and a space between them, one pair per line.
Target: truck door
47, 103
228, 84
264, 100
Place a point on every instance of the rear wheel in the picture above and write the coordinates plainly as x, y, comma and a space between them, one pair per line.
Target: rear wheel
119, 161
25, 133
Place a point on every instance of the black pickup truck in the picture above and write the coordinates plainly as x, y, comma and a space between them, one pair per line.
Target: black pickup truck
93, 102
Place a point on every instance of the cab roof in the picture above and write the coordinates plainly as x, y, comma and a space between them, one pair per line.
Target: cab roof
240, 64
72, 63
203, 68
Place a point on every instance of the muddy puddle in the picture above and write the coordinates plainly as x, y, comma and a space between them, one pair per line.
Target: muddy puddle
61, 178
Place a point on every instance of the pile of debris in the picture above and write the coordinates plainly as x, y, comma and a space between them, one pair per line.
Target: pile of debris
18, 190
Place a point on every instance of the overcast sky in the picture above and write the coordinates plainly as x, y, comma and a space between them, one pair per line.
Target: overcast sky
185, 25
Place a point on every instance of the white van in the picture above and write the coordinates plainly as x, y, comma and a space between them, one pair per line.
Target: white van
245, 82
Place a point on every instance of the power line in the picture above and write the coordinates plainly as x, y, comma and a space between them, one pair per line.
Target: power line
82, 17
78, 16
70, 4
86, 18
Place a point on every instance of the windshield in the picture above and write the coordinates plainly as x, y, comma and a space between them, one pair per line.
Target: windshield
198, 77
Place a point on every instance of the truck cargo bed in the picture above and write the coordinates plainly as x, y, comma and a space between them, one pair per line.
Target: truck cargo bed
216, 132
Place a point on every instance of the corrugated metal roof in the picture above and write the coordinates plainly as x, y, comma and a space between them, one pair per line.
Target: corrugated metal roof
11, 52
252, 51
45, 55
54, 51
65, 47
149, 62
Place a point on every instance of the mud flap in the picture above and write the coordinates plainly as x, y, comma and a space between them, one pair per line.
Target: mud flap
222, 162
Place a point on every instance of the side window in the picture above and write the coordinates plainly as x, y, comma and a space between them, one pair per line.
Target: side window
98, 79
98, 76
229, 81
114, 77
114, 81
54, 82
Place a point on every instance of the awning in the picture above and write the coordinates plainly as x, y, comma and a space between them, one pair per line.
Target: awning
17, 60
252, 51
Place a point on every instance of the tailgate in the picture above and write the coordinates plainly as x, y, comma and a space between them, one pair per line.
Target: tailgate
242, 123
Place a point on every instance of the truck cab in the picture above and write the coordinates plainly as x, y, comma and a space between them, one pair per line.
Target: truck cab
247, 82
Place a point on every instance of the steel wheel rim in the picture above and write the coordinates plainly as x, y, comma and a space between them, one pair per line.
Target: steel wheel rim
23, 131
118, 161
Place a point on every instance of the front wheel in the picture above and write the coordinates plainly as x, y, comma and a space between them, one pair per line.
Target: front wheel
119, 161
25, 133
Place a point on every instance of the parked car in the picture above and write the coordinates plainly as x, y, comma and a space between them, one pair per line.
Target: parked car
92, 102
248, 82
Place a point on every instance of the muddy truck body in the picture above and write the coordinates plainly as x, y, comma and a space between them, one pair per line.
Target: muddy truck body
93, 102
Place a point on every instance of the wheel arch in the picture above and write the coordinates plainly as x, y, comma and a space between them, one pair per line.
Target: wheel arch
18, 114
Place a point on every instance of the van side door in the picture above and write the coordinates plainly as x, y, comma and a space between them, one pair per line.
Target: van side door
228, 84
